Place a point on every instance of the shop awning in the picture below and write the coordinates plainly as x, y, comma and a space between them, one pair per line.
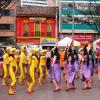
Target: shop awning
36, 11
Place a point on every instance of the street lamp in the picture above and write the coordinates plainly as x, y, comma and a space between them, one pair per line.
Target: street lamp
73, 21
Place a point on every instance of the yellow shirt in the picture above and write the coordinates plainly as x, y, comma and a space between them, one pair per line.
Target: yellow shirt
13, 61
43, 60
23, 58
35, 62
6, 58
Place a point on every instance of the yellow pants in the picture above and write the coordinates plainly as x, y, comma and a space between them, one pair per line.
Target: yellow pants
12, 75
43, 73
32, 76
22, 73
6, 73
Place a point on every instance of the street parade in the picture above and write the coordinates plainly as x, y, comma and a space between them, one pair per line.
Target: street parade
69, 63
49, 49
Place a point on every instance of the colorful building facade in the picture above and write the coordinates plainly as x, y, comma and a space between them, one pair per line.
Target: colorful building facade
35, 30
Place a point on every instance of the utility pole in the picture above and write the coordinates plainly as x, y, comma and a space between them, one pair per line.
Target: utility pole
56, 16
73, 21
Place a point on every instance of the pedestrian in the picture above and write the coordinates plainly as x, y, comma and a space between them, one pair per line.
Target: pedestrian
42, 67
56, 71
22, 65
87, 73
48, 60
70, 73
61, 58
6, 66
33, 70
12, 71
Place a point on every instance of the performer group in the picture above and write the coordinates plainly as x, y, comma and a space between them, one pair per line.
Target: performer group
33, 68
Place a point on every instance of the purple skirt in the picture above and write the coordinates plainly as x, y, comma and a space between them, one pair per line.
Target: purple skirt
66, 67
87, 71
56, 72
91, 68
77, 66
70, 70
71, 77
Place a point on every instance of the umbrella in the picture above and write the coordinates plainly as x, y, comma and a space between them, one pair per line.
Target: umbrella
67, 42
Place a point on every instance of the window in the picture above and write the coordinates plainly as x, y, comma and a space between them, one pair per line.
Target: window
5, 27
26, 29
37, 28
6, 13
49, 30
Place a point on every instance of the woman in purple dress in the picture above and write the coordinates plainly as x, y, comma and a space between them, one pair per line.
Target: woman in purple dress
70, 71
87, 73
56, 71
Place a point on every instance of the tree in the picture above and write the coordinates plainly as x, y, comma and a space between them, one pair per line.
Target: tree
91, 15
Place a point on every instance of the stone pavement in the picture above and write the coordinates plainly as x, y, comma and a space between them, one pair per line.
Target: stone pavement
46, 92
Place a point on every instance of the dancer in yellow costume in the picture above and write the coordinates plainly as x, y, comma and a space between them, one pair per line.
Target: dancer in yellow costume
22, 65
12, 71
29, 60
5, 66
42, 67
32, 70
17, 56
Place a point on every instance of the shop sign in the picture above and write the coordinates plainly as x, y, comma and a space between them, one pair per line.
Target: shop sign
37, 19
48, 40
84, 38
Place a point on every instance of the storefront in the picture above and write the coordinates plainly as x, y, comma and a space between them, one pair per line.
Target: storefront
30, 30
34, 23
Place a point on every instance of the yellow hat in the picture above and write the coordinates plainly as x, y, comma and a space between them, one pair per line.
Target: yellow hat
8, 48
34, 50
17, 50
42, 51
11, 51
14, 49
23, 49
45, 50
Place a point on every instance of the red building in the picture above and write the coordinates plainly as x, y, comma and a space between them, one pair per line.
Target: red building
36, 28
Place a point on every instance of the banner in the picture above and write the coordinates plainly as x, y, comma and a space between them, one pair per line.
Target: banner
48, 40
34, 2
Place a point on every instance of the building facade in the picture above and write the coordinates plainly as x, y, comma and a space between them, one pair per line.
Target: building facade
68, 25
7, 24
36, 26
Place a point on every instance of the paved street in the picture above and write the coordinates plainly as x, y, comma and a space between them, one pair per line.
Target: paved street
46, 93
